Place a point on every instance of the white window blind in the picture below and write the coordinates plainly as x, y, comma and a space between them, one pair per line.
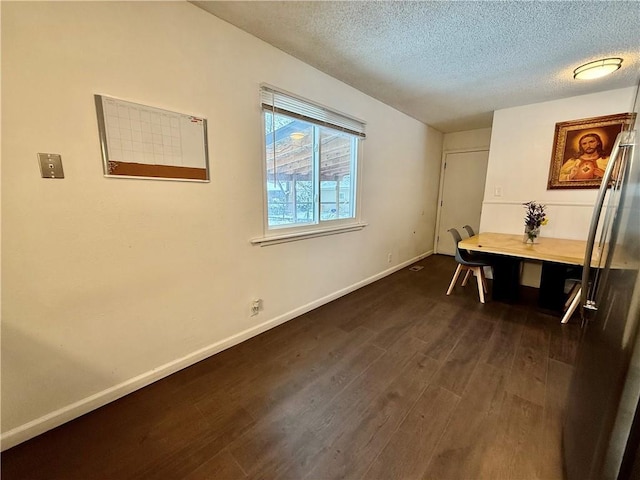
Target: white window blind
284, 103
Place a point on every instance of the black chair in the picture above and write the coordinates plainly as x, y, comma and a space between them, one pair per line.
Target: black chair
469, 230
471, 263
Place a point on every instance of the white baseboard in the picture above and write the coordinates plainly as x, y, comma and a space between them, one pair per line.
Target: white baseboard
58, 417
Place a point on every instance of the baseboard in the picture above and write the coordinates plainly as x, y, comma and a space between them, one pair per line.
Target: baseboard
54, 419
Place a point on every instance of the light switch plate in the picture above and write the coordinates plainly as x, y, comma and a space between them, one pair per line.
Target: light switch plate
51, 165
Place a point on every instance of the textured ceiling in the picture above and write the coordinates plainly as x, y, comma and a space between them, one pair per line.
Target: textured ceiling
450, 64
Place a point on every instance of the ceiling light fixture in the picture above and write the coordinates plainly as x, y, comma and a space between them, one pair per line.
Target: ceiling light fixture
597, 69
297, 136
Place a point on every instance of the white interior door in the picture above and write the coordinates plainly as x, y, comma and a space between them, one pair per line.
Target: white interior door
461, 197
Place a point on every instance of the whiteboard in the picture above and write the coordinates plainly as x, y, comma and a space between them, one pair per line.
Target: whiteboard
147, 142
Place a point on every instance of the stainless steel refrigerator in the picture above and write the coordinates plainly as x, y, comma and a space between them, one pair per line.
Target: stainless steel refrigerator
601, 435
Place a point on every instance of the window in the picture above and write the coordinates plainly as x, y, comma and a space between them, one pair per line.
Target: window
311, 164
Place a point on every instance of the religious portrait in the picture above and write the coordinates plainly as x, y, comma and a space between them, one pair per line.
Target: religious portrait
582, 149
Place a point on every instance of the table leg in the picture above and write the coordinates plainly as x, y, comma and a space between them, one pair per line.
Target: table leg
552, 295
506, 278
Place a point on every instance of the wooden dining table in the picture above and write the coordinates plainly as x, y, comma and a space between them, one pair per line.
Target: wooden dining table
558, 250
557, 255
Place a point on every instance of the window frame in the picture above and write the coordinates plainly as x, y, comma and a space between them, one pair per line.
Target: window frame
290, 232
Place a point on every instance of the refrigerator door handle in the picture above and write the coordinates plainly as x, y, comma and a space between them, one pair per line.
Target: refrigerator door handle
588, 295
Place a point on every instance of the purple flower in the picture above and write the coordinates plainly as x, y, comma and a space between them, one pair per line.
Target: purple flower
535, 215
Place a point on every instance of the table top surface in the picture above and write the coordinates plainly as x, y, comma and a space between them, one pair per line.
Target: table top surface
560, 250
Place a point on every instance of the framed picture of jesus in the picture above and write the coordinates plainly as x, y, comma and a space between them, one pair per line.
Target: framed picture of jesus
581, 150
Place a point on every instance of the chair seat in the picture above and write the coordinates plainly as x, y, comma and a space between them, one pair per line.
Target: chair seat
478, 261
472, 264
472, 259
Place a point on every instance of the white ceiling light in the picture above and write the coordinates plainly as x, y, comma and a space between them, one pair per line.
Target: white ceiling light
297, 136
597, 69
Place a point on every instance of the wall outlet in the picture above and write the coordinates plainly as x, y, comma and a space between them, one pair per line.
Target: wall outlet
389, 258
256, 306
50, 165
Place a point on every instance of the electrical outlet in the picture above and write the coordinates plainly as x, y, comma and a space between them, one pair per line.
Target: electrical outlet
50, 165
389, 257
256, 306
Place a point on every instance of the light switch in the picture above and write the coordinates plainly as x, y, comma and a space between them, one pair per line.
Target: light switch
51, 165
497, 191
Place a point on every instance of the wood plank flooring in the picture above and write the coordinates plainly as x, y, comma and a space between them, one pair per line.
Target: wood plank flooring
393, 381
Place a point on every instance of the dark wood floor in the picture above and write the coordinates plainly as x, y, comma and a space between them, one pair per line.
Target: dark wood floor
393, 381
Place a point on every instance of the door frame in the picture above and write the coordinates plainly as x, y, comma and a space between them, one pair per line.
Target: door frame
443, 168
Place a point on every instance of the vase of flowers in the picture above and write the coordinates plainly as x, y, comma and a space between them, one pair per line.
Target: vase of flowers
533, 220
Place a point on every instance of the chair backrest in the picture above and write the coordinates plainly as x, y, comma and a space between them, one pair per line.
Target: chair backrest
456, 238
469, 230
461, 256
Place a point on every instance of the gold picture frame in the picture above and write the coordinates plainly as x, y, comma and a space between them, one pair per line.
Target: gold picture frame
581, 150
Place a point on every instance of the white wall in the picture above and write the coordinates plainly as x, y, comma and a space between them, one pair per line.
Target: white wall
521, 145
108, 284
519, 159
467, 140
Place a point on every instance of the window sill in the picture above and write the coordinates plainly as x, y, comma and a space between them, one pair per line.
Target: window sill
293, 237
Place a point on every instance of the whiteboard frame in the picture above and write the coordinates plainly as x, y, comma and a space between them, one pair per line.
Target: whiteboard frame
102, 131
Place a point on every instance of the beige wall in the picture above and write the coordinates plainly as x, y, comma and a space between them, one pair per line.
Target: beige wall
108, 284
519, 159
